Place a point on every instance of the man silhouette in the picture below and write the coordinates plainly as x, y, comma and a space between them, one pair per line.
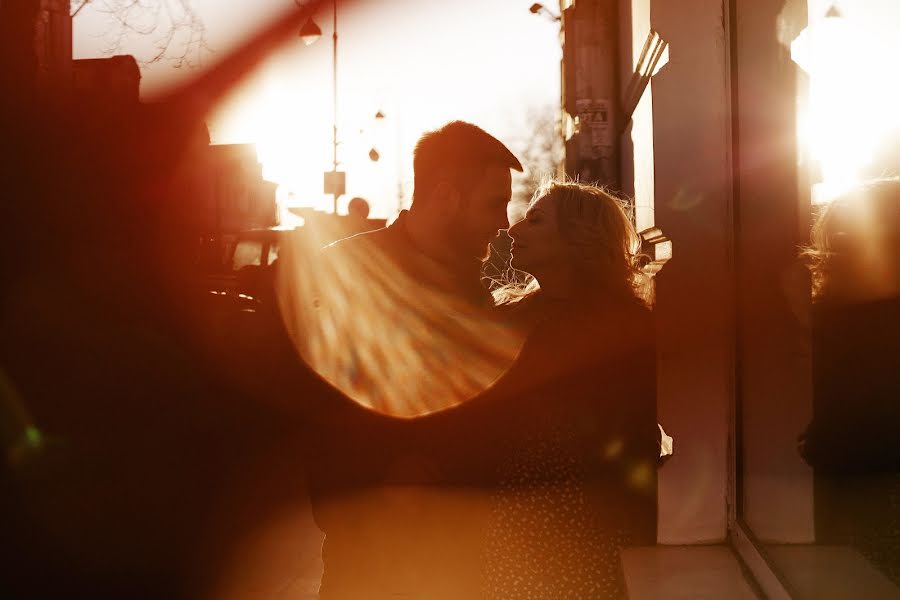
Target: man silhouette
398, 318
402, 324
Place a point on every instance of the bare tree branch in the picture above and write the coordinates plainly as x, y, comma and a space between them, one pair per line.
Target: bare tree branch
540, 149
75, 12
181, 33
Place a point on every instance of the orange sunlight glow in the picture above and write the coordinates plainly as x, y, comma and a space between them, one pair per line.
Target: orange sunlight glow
405, 62
851, 106
275, 116
290, 121
291, 128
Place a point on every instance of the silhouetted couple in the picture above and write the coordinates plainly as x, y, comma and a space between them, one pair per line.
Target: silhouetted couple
500, 444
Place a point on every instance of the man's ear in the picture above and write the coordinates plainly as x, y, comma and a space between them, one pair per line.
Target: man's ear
447, 199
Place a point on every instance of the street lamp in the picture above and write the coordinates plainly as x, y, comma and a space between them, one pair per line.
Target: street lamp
538, 8
373, 153
310, 32
335, 181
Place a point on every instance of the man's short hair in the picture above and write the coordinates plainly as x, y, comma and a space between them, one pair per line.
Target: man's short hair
457, 153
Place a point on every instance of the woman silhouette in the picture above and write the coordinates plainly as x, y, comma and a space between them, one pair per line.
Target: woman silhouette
578, 480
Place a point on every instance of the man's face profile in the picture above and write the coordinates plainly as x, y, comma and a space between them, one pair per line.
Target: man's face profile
482, 212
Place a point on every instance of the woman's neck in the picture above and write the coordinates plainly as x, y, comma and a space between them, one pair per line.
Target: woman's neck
557, 285
564, 290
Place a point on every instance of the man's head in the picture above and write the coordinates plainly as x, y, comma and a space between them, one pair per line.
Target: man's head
463, 185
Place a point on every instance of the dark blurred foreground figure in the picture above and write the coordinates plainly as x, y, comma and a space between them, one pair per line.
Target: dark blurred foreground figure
531, 488
121, 437
853, 441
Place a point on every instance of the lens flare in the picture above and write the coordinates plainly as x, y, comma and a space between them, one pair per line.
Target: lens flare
852, 101
382, 337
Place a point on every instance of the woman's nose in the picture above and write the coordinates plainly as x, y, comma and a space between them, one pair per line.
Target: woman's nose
516, 230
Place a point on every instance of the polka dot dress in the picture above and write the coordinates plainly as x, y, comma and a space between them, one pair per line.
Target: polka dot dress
545, 539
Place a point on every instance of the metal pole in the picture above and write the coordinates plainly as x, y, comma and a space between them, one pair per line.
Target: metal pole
334, 142
399, 154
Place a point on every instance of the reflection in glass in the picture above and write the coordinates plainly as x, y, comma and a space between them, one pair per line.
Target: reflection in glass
852, 442
841, 537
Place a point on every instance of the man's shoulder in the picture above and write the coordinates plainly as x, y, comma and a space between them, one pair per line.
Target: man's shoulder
384, 239
375, 237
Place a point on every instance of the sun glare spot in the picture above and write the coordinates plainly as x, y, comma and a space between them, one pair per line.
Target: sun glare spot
850, 108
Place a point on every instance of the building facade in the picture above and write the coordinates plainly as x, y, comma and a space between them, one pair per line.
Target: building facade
239, 197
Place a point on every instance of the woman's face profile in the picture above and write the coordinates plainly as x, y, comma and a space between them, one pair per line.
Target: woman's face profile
537, 244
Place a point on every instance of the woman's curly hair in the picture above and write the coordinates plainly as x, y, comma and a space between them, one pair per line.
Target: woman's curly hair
843, 228
606, 246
